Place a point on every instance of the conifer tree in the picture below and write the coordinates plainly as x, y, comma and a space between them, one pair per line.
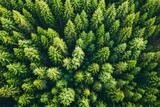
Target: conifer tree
110, 15
102, 55
70, 34
68, 10
22, 22
44, 14
97, 18
122, 10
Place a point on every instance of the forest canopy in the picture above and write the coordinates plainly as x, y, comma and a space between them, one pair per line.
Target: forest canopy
79, 53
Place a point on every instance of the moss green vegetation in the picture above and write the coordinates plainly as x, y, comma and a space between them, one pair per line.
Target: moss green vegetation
79, 53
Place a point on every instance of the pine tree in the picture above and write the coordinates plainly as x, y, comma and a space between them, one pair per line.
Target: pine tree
70, 33
138, 44
39, 84
129, 20
110, 15
25, 99
32, 54
53, 74
67, 96
124, 34
100, 36
122, 10
17, 69
8, 91
102, 55
84, 19
54, 55
22, 22
116, 95
83, 102
44, 14
68, 10
78, 23
97, 18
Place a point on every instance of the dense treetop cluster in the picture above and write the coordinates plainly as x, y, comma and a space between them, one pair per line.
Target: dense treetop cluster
79, 53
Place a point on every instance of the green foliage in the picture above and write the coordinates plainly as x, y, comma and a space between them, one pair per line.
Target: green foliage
25, 99
53, 74
110, 15
39, 84
93, 68
122, 10
44, 13
124, 34
68, 10
54, 55
116, 95
67, 96
84, 102
97, 18
21, 21
70, 34
8, 91
17, 69
102, 55
32, 54
79, 53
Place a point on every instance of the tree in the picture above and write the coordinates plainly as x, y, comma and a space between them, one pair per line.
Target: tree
70, 34
77, 5
29, 5
124, 34
97, 86
97, 18
110, 16
8, 91
68, 10
116, 95
102, 5
107, 67
40, 72
122, 10
78, 23
22, 22
114, 29
79, 76
53, 74
83, 102
44, 14
5, 58
93, 68
120, 48
102, 55
39, 84
32, 54
57, 7
7, 24
86, 92
29, 17
138, 44
84, 19
120, 67
54, 55
17, 69
78, 57
28, 87
88, 78
60, 45
104, 77
100, 36
45, 97
128, 21
25, 99
67, 96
